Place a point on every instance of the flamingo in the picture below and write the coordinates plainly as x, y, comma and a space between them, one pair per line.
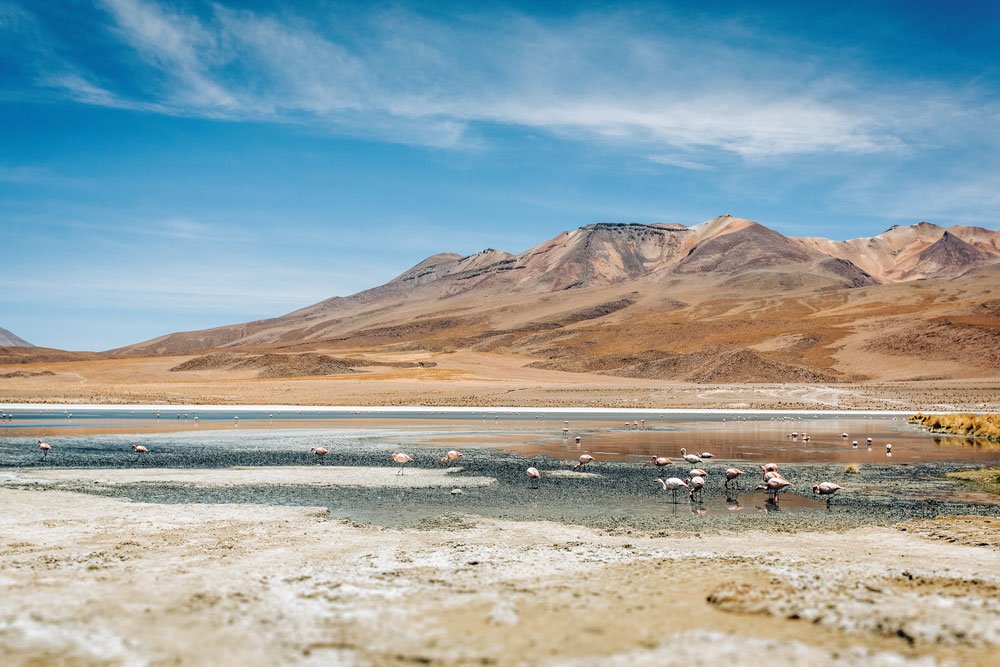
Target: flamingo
696, 484
774, 486
319, 451
732, 474
660, 461
577, 439
769, 467
854, 444
697, 472
672, 485
45, 447
452, 455
584, 460
534, 476
707, 455
139, 451
690, 458
869, 441
827, 489
402, 459
888, 448
774, 474
844, 435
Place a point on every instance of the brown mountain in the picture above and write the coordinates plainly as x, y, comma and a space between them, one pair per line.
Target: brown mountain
726, 300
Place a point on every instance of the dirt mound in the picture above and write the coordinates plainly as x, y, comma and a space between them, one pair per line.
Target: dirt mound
725, 366
978, 346
26, 374
270, 365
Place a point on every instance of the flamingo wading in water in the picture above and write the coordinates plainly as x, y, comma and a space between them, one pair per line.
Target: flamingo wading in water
690, 458
827, 489
731, 475
45, 447
697, 484
673, 485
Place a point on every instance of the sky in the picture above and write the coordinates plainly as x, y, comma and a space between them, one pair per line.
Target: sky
169, 166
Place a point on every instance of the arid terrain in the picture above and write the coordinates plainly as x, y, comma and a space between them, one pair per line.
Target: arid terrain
726, 313
103, 581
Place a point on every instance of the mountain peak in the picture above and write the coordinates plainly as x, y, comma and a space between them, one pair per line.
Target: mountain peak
8, 339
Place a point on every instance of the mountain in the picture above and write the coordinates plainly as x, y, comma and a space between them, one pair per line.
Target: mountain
728, 298
923, 250
7, 339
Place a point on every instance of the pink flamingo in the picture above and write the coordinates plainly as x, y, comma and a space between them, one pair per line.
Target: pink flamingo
139, 451
45, 447
660, 461
452, 455
584, 460
690, 458
774, 486
673, 485
732, 474
769, 467
320, 452
697, 472
827, 489
696, 484
402, 459
534, 476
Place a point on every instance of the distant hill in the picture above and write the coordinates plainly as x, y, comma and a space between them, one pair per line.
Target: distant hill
8, 339
728, 298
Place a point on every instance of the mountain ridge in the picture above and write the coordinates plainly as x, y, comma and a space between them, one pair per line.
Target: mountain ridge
516, 303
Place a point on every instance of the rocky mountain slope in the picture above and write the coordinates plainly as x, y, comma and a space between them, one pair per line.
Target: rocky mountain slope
726, 300
8, 339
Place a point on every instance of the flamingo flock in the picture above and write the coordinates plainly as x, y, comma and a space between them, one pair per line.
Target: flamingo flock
694, 481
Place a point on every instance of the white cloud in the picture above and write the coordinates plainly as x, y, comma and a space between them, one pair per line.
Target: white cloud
670, 92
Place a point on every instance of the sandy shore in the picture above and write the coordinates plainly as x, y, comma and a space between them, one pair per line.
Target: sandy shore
90, 580
464, 379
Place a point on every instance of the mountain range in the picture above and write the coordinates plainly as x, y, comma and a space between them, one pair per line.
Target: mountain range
725, 300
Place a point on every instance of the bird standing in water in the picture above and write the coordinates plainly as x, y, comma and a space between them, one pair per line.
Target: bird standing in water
45, 447
673, 485
827, 489
731, 475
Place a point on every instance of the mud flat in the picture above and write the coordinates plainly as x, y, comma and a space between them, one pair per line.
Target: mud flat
104, 581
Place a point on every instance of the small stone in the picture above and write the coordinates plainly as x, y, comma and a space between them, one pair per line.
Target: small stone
457, 492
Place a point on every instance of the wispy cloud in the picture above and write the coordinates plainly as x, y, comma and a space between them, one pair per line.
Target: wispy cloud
603, 77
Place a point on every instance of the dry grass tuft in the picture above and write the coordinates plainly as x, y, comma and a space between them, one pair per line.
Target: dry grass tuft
974, 426
852, 469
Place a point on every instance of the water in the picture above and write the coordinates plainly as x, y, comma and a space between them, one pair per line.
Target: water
910, 483
604, 434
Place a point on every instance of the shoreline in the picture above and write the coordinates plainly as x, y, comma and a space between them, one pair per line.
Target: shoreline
417, 409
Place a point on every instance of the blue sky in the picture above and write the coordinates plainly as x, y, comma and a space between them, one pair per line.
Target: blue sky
172, 166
